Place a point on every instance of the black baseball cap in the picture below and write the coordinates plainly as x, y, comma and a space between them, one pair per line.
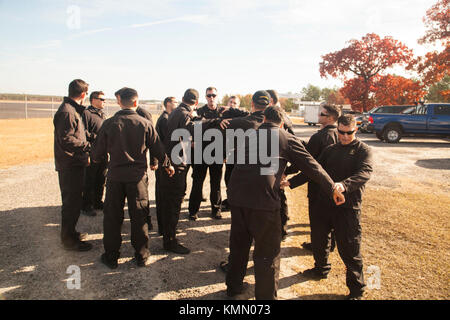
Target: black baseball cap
261, 97
190, 96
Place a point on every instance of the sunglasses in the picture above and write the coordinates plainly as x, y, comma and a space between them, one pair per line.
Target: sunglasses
324, 114
100, 99
346, 132
211, 95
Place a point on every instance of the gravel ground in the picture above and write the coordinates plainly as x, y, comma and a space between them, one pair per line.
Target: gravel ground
33, 264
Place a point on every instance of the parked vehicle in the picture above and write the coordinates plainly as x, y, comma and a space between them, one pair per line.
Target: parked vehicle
360, 122
368, 127
431, 119
390, 109
312, 114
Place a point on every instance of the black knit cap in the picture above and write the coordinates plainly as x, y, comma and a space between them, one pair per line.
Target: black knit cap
261, 98
190, 96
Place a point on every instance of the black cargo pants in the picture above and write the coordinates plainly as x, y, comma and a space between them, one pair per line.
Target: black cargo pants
94, 185
71, 186
136, 194
347, 229
198, 177
264, 227
172, 192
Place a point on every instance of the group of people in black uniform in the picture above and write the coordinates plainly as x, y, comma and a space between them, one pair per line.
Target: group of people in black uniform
91, 151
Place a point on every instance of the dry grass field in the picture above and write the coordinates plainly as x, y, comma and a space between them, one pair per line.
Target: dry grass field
405, 234
405, 227
25, 141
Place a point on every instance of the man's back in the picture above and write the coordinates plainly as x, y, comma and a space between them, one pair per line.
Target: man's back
126, 137
250, 187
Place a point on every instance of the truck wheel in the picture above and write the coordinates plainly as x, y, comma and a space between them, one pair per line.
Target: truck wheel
392, 134
379, 135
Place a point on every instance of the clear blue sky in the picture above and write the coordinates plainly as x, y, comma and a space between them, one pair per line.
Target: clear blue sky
163, 47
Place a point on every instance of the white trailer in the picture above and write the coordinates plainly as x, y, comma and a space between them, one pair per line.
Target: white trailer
312, 114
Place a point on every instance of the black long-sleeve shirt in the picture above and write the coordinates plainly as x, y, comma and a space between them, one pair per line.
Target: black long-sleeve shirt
349, 164
230, 113
249, 188
147, 115
161, 125
70, 144
126, 137
182, 118
93, 119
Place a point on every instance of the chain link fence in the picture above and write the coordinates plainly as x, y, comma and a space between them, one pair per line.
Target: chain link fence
27, 108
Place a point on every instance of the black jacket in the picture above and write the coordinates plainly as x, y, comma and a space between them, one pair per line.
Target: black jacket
207, 113
231, 113
322, 139
147, 115
161, 125
287, 124
317, 143
144, 113
182, 118
126, 137
252, 121
349, 164
92, 119
315, 146
71, 147
249, 188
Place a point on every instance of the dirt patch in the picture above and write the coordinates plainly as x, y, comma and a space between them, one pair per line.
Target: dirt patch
405, 222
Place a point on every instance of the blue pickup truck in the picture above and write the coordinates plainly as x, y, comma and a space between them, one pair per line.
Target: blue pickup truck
431, 119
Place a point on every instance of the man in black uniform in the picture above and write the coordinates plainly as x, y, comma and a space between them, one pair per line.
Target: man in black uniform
231, 111
350, 163
208, 111
71, 158
327, 135
287, 125
126, 137
95, 174
170, 103
173, 189
252, 121
255, 202
153, 160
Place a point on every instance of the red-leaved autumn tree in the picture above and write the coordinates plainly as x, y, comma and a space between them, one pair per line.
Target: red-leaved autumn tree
394, 90
365, 59
359, 93
435, 65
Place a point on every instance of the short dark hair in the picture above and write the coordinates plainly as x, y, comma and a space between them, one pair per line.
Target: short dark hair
190, 96
128, 96
234, 97
347, 120
117, 93
95, 95
274, 114
167, 100
210, 89
333, 110
274, 96
77, 87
